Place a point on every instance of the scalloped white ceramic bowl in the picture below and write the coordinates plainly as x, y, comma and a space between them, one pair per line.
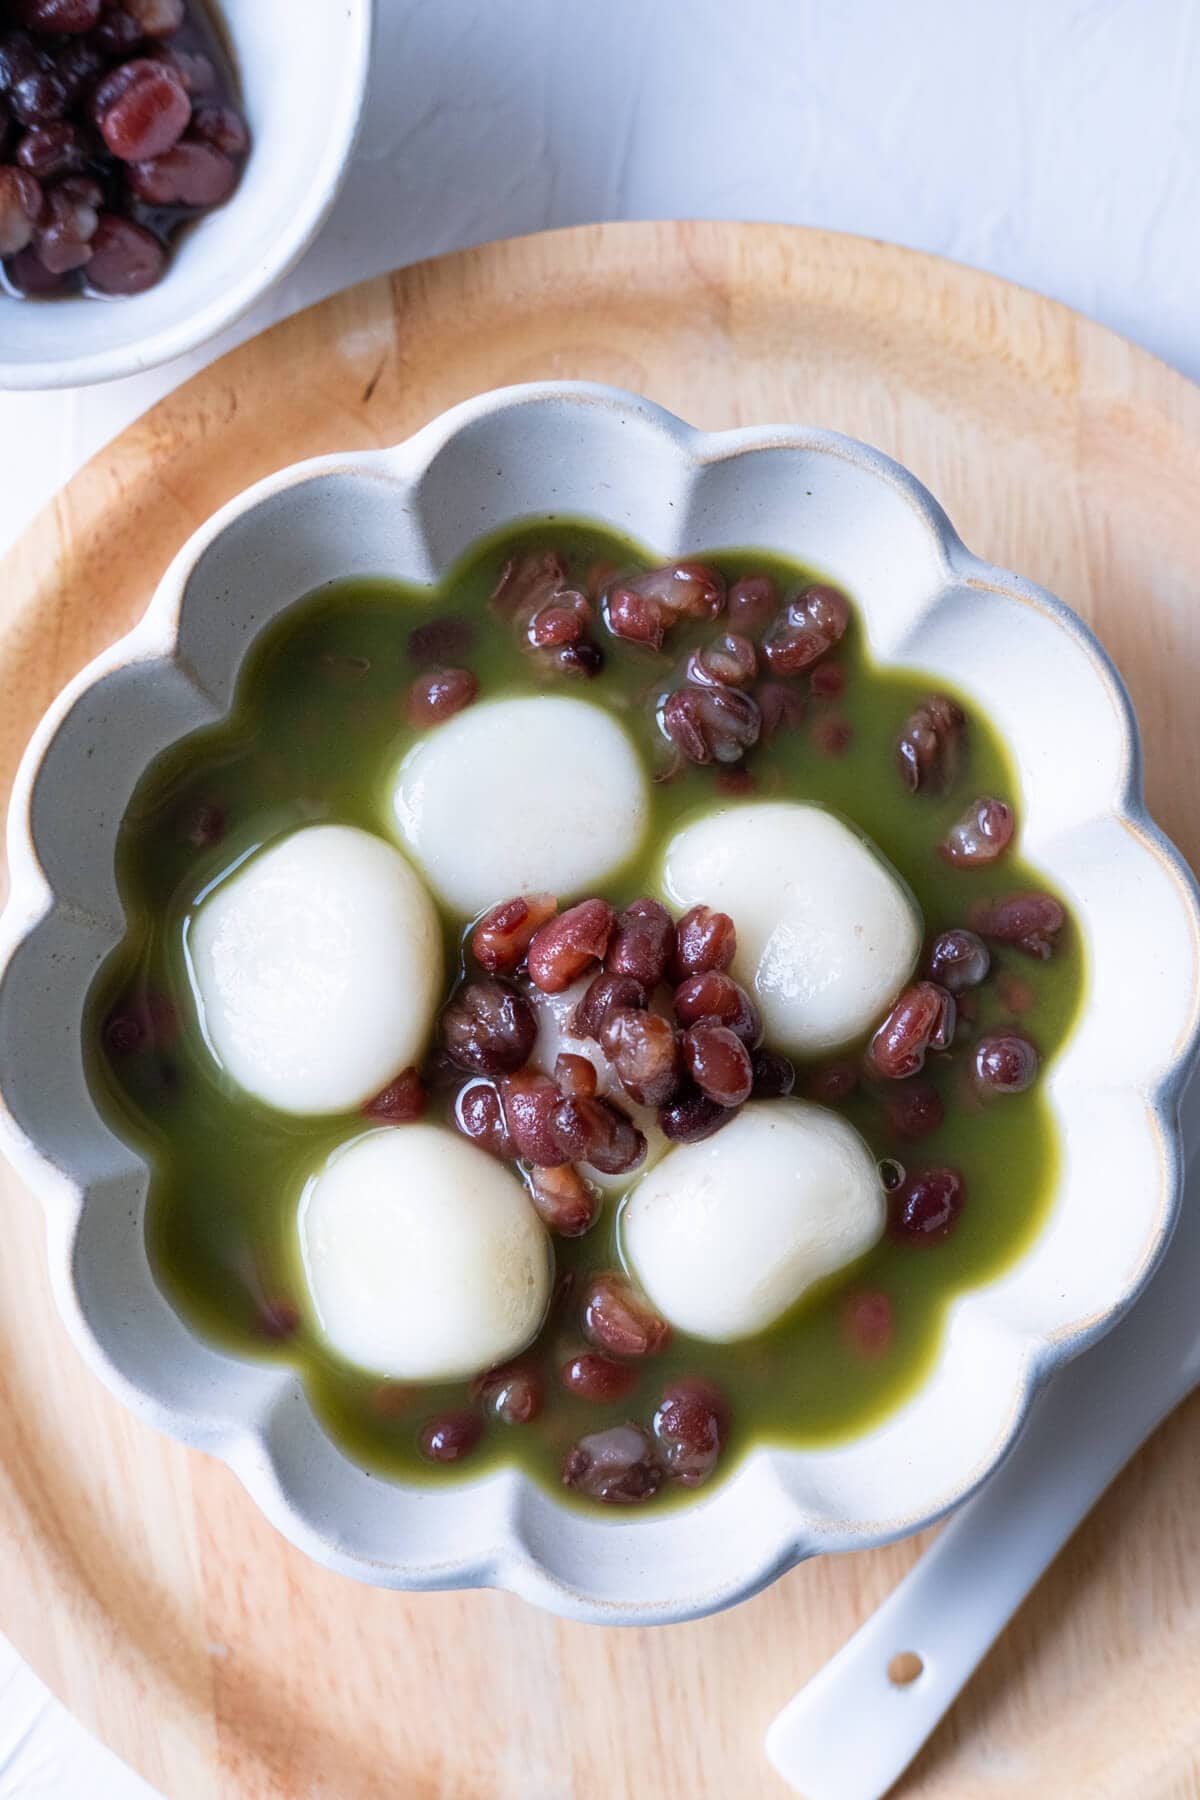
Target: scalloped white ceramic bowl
925, 601
303, 92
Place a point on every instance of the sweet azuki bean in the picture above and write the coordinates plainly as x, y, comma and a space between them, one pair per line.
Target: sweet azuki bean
562, 1200
575, 1075
704, 940
691, 1424
959, 960
774, 1076
602, 995
514, 1393
401, 1101
530, 1101
979, 835
642, 943
714, 724
806, 630
594, 1376
1005, 1062
729, 661
642, 1049
618, 1466
718, 1062
503, 935
619, 1319
752, 603
914, 1110
596, 1132
567, 945
479, 1115
927, 1206
489, 1028
930, 747
438, 695
717, 996
1030, 922
691, 1117
921, 1020
451, 1436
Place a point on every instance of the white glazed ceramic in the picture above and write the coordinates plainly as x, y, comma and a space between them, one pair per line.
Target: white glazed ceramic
924, 601
302, 89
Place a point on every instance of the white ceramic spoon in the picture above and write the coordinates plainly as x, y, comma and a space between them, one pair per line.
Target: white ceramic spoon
853, 1730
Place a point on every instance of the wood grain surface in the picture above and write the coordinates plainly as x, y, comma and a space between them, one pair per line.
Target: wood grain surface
136, 1576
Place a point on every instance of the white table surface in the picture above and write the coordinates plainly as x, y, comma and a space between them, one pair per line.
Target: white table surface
1054, 142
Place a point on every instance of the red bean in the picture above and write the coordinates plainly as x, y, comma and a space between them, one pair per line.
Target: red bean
40, 97
575, 1075
921, 1020
827, 681
562, 620
642, 943
729, 661
56, 15
530, 1101
503, 935
642, 1049
20, 209
141, 108
451, 1436
568, 944
479, 1115
213, 124
563, 1201
617, 1466
834, 1083
691, 1117
488, 1028
635, 617
1031, 922
691, 1425
806, 630
528, 581
204, 826
442, 640
141, 1021
583, 658
603, 994
440, 694
199, 76
718, 1062
50, 150
125, 258
752, 603
686, 590
1016, 996
157, 18
597, 1132
892, 1174
869, 1322
400, 1101
718, 996
65, 234
710, 724
927, 1207
774, 1076
514, 1393
735, 779
277, 1319
188, 174
594, 1376
619, 1319
980, 835
1005, 1062
915, 1110
117, 33
781, 708
30, 277
931, 744
831, 737
959, 960
704, 940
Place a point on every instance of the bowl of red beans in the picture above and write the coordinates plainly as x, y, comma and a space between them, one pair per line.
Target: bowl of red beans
150, 190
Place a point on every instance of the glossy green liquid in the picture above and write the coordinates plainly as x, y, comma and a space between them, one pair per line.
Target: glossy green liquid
317, 729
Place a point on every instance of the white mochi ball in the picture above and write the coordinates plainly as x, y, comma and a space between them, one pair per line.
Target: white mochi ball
521, 796
727, 1234
827, 931
317, 967
424, 1258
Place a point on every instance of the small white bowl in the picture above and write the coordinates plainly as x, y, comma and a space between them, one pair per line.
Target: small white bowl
303, 80
924, 601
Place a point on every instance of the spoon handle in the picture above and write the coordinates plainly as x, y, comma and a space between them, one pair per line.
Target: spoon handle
851, 1732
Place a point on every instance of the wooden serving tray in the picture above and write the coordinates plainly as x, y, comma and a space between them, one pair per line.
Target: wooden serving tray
136, 1576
